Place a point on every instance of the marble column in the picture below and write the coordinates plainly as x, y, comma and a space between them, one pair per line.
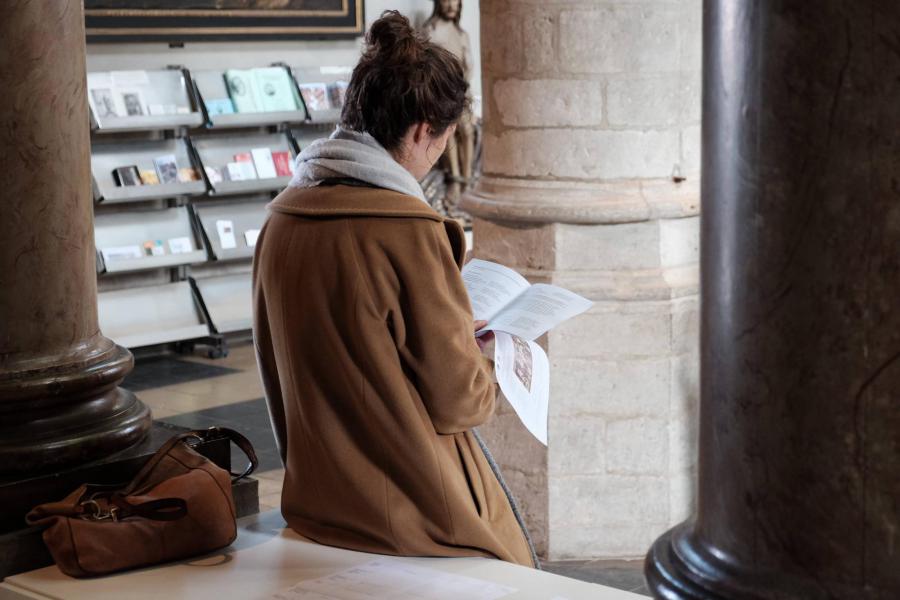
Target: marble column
799, 465
591, 182
59, 400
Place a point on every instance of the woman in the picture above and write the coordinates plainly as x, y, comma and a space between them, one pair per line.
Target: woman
363, 328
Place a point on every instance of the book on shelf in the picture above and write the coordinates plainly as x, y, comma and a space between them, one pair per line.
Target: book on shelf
149, 177
274, 89
154, 248
264, 163
186, 174
240, 89
166, 168
127, 176
265, 89
219, 106
284, 165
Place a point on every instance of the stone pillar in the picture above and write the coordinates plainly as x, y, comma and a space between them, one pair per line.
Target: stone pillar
59, 403
591, 182
799, 466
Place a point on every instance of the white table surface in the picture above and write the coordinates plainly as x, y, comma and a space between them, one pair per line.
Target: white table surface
268, 558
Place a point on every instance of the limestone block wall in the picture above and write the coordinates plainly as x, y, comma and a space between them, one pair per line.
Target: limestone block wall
591, 181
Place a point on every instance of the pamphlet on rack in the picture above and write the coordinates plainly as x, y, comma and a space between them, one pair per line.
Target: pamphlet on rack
518, 313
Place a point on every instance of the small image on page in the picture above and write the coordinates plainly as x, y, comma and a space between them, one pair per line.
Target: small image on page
491, 287
541, 308
523, 372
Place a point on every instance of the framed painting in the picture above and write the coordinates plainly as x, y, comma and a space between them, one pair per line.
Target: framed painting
217, 20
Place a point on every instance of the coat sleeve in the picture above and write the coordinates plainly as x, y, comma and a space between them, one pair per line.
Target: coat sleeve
435, 335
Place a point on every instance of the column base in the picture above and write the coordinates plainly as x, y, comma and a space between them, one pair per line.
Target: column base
62, 415
679, 566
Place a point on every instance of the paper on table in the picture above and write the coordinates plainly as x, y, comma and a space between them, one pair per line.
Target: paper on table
523, 373
386, 579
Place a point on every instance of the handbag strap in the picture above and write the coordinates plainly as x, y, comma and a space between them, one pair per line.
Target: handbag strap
242, 443
204, 435
162, 509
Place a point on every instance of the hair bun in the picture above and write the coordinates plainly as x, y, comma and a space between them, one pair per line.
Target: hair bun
392, 35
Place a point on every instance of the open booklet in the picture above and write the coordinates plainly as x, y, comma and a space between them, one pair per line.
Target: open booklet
518, 313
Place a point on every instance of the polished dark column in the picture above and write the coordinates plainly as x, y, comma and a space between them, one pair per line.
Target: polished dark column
59, 403
799, 482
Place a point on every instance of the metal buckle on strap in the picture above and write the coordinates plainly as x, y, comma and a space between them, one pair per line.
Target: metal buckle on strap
98, 514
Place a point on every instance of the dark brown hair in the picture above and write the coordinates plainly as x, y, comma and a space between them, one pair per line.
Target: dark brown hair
403, 79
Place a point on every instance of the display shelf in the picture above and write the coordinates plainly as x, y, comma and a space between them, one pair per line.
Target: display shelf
217, 151
243, 215
127, 100
213, 88
109, 155
304, 135
230, 188
146, 316
228, 300
117, 236
321, 91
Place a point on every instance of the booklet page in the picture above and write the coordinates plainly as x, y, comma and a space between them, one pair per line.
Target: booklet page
491, 287
538, 310
523, 372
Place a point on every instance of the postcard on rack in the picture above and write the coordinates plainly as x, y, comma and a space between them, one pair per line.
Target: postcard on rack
114, 253
134, 103
149, 177
315, 95
219, 106
251, 236
284, 165
181, 245
225, 230
127, 176
166, 168
265, 165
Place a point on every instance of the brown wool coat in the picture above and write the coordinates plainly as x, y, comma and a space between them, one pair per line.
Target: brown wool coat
364, 338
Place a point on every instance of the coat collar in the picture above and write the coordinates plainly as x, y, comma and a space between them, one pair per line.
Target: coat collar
351, 201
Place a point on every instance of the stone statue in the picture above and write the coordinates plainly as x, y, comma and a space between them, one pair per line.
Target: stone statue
443, 29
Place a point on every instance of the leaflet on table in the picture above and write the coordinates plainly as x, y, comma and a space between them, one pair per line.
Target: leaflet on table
523, 372
387, 578
510, 304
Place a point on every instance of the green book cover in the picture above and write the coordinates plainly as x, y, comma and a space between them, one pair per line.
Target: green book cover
241, 88
274, 89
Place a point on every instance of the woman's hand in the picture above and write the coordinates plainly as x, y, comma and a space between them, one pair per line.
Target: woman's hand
485, 339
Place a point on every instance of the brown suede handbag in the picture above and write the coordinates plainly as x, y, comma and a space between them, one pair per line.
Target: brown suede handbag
179, 505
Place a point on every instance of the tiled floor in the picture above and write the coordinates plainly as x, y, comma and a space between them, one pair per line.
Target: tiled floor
194, 391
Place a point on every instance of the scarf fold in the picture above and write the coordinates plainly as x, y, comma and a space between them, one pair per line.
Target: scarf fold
354, 155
